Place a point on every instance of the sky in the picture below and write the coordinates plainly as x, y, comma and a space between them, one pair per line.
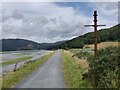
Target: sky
53, 21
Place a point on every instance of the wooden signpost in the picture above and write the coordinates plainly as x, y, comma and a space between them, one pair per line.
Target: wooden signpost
95, 32
95, 39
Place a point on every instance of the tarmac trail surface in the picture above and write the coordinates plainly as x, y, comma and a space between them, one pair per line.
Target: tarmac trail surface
48, 75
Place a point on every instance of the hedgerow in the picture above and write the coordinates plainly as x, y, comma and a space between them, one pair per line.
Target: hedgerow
105, 68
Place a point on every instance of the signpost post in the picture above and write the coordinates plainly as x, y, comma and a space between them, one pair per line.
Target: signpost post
95, 39
95, 32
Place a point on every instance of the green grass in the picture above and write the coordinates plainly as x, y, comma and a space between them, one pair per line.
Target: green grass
14, 61
11, 79
73, 73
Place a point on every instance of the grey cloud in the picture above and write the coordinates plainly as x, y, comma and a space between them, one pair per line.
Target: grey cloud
46, 25
11, 14
53, 20
44, 28
17, 15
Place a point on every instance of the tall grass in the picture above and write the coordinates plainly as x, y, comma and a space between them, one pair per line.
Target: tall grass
72, 73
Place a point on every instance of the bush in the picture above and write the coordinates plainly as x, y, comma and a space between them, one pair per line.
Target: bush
82, 54
105, 69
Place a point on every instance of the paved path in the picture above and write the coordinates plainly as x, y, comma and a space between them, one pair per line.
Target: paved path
48, 75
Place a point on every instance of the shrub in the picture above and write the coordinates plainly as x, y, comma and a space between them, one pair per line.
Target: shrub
82, 54
105, 69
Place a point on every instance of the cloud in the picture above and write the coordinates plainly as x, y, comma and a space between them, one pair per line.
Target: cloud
107, 13
107, 8
43, 22
60, 0
104, 0
29, 0
46, 22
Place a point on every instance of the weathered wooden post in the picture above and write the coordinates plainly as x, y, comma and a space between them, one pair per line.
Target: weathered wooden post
95, 32
95, 41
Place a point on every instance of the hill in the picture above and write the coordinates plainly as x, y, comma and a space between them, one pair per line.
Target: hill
22, 44
109, 34
18, 44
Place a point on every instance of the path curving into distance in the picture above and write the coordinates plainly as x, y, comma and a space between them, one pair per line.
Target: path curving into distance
49, 75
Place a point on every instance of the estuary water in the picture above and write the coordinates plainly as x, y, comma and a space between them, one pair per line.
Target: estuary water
12, 55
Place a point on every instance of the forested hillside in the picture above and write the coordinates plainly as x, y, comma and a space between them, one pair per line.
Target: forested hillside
22, 44
109, 34
18, 44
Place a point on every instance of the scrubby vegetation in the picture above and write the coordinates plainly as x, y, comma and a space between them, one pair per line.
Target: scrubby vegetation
83, 55
104, 71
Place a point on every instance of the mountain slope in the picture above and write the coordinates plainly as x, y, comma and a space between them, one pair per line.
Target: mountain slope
109, 34
18, 44
22, 44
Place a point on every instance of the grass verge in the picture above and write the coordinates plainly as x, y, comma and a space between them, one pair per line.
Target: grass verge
14, 61
11, 79
72, 73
